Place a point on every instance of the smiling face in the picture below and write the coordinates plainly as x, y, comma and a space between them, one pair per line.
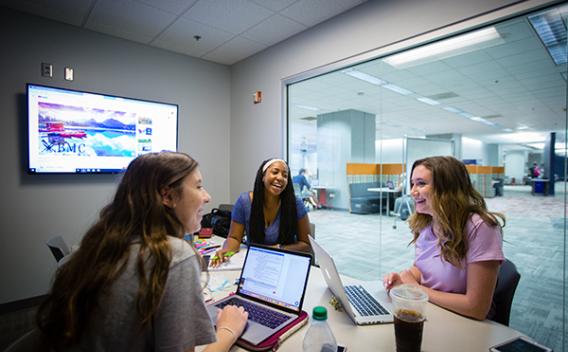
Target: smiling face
275, 178
422, 189
188, 205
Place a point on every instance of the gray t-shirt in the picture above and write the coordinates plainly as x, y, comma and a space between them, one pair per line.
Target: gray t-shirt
181, 322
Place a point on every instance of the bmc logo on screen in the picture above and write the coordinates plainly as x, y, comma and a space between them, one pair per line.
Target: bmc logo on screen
63, 147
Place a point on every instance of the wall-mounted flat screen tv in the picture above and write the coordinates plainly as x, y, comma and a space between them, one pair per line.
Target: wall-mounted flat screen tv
72, 131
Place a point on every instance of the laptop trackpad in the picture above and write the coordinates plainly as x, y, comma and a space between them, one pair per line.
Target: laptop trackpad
253, 333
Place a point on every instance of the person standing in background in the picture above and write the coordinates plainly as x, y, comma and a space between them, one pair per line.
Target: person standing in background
305, 188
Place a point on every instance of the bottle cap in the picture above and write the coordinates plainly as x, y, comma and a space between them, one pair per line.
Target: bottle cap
319, 313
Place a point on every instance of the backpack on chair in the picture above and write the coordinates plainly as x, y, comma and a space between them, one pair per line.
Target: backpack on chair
219, 220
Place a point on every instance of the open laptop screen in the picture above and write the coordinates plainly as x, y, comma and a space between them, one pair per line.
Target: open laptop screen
276, 277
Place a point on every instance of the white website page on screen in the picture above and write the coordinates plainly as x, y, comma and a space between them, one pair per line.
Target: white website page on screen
72, 132
275, 277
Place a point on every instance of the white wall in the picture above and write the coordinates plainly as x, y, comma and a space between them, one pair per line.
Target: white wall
389, 151
474, 149
516, 165
258, 130
36, 207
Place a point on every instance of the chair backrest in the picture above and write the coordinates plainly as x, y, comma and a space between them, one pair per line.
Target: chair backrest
58, 247
313, 229
30, 341
313, 234
226, 207
507, 282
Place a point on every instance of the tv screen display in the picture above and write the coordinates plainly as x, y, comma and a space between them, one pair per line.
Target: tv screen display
72, 131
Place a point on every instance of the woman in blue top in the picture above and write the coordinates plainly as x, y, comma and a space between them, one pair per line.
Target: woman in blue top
271, 214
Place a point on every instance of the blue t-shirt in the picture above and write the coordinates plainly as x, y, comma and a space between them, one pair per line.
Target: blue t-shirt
302, 181
241, 215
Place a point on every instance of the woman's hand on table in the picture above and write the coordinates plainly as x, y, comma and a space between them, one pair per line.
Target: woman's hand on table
221, 256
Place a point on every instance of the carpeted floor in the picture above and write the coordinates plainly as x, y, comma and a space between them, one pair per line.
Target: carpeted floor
367, 247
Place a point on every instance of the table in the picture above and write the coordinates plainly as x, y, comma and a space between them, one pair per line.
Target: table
384, 190
443, 331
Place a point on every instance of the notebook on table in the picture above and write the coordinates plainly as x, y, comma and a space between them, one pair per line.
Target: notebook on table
271, 288
362, 307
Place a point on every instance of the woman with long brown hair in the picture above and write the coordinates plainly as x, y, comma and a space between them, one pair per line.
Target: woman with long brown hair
458, 241
135, 284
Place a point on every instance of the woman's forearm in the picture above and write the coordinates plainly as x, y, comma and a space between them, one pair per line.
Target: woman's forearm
298, 246
225, 340
459, 303
231, 244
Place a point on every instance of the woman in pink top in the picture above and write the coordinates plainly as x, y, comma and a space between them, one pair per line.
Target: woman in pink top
458, 241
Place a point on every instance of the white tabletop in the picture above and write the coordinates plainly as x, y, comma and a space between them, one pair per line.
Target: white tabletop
443, 330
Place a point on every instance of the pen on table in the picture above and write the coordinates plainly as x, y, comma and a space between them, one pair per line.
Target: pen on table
207, 250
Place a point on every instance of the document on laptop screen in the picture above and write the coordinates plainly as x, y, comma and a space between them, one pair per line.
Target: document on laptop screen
275, 277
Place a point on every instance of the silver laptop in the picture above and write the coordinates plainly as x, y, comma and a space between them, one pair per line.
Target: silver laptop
362, 307
271, 288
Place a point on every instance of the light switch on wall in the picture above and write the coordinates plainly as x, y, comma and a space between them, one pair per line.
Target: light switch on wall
46, 69
68, 73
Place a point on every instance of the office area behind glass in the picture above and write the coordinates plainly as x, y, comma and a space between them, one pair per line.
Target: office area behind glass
494, 98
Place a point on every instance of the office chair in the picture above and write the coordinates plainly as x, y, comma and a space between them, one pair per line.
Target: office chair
313, 234
226, 207
58, 247
507, 282
298, 194
403, 208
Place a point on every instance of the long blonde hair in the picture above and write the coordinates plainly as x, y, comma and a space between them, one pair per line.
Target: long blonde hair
453, 201
136, 214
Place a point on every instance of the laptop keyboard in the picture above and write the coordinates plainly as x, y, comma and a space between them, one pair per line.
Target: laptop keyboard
259, 314
365, 304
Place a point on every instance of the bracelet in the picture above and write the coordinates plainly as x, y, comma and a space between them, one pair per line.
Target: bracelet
228, 329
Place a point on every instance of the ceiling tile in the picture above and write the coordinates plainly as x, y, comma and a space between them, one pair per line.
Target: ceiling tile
235, 50
274, 5
179, 38
67, 11
273, 30
312, 12
234, 16
128, 19
176, 7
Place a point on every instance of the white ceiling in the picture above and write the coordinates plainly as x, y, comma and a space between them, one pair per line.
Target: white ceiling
513, 83
229, 30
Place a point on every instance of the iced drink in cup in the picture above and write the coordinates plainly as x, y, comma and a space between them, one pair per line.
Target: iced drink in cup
409, 314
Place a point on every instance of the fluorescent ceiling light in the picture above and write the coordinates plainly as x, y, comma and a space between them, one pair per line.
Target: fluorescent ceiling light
397, 89
522, 127
551, 31
428, 101
305, 107
364, 77
452, 109
446, 48
467, 115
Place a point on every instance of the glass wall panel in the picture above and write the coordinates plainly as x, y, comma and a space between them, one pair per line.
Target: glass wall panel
495, 98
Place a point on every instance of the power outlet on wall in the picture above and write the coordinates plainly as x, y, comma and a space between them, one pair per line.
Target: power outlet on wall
46, 70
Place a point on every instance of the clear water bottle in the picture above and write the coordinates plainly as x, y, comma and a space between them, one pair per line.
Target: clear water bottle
319, 337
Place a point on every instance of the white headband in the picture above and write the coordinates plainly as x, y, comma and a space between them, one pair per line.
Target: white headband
272, 161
